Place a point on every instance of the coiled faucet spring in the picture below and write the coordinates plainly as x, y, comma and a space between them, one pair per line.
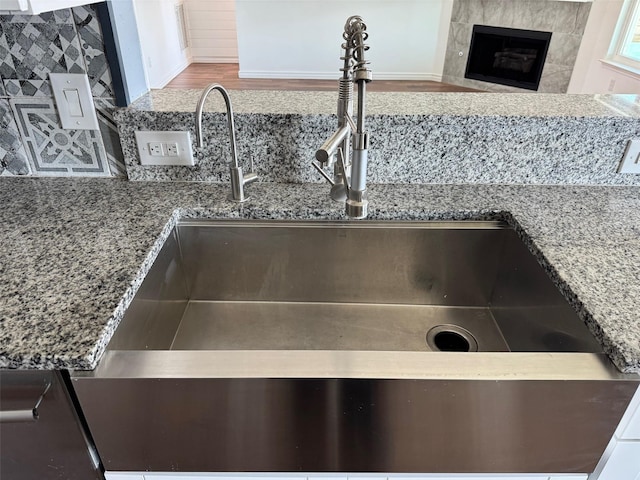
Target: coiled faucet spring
355, 34
350, 141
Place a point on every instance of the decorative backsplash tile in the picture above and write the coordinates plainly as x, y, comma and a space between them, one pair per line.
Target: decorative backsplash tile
92, 44
53, 150
35, 46
32, 139
110, 137
28, 88
13, 157
6, 60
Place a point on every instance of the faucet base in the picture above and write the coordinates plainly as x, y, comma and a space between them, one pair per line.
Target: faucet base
357, 211
338, 192
357, 205
237, 200
238, 181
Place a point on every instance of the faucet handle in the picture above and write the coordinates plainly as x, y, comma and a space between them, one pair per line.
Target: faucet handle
251, 176
321, 172
343, 169
350, 121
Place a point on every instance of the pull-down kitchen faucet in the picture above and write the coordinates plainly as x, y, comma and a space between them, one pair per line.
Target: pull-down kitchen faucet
350, 142
238, 179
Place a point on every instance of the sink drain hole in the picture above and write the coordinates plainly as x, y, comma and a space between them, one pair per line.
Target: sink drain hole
451, 338
451, 342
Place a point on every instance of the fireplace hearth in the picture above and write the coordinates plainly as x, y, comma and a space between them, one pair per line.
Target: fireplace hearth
507, 56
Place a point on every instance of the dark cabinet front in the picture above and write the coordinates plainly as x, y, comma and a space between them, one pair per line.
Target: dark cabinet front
41, 434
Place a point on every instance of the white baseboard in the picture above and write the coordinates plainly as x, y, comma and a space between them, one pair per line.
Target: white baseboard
407, 76
172, 74
198, 59
335, 76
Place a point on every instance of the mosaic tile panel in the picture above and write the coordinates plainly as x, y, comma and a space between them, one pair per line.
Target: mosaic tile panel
54, 151
110, 137
93, 50
6, 60
13, 157
28, 88
60, 17
32, 46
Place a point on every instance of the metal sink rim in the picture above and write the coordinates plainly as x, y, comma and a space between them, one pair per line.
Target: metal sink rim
486, 366
355, 364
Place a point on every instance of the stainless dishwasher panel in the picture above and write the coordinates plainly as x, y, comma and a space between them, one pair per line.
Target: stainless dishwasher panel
351, 425
41, 434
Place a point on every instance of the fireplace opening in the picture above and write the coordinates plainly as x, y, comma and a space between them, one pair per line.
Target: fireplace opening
507, 56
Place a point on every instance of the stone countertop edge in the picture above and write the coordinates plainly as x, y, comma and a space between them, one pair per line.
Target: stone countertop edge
575, 232
395, 103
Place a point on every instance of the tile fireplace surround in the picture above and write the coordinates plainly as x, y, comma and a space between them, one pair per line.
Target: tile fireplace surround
566, 21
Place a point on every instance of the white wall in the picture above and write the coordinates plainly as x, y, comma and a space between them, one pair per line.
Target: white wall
159, 38
127, 43
302, 38
590, 75
212, 31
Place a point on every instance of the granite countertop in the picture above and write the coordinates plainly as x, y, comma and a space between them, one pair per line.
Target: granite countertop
398, 103
75, 250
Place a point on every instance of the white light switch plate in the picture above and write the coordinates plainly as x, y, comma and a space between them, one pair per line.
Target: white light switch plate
74, 101
165, 148
631, 159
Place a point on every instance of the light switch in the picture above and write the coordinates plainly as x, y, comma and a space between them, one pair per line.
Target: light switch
74, 101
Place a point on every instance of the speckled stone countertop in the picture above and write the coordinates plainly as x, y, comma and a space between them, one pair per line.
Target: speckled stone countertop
399, 103
74, 251
415, 138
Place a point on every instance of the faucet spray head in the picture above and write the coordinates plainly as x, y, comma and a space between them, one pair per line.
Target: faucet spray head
355, 35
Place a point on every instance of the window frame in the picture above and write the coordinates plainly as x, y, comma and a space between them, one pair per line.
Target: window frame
627, 22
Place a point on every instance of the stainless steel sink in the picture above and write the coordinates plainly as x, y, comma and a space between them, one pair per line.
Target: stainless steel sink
366, 286
329, 346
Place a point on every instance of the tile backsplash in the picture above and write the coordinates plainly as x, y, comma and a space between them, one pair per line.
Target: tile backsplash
32, 140
13, 157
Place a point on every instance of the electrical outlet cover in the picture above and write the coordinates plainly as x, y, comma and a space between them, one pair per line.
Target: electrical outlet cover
630, 162
155, 149
183, 150
171, 149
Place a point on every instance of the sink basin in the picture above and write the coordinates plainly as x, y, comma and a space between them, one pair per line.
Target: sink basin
470, 286
410, 347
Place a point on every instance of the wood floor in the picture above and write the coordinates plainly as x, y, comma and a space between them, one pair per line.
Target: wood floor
199, 75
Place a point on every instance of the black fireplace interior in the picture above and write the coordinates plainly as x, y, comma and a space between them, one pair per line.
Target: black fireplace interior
507, 56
